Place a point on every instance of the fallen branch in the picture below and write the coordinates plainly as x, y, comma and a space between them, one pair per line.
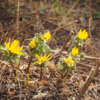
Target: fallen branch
87, 57
88, 81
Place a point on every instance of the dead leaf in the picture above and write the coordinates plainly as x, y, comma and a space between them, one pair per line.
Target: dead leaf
34, 28
10, 93
20, 79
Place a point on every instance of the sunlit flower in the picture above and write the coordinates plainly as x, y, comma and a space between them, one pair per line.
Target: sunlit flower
13, 48
42, 59
32, 44
41, 37
74, 51
47, 36
69, 61
82, 35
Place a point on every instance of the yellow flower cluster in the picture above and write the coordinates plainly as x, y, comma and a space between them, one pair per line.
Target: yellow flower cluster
47, 36
14, 47
42, 59
74, 51
82, 35
69, 61
32, 44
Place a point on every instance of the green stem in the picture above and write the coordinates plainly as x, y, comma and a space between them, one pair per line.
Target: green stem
16, 77
27, 72
60, 81
26, 80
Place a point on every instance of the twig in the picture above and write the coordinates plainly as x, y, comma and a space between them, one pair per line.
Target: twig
88, 81
66, 74
19, 90
63, 47
63, 20
88, 57
86, 65
10, 66
63, 26
2, 32
90, 9
68, 13
90, 21
20, 27
30, 24
59, 52
98, 36
17, 19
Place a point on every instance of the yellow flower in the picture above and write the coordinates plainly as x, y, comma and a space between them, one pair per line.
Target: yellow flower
32, 44
82, 35
69, 61
47, 36
14, 48
41, 37
74, 51
42, 59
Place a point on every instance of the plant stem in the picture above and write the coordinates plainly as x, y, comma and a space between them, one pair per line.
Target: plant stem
27, 72
66, 74
26, 80
16, 77
18, 67
29, 65
41, 74
13, 67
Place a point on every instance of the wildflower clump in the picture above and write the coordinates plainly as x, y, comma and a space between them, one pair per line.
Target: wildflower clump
14, 47
68, 64
42, 60
79, 40
38, 45
11, 52
69, 61
65, 64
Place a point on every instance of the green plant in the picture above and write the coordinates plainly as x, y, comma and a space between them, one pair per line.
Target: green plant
67, 65
42, 62
12, 53
37, 46
57, 8
96, 14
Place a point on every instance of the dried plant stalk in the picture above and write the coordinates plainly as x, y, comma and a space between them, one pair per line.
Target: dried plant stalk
88, 81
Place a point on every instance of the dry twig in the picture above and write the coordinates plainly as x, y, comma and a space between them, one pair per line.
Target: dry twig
88, 81
30, 22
